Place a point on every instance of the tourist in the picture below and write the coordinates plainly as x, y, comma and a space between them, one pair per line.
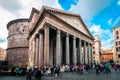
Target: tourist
115, 67
13, 71
101, 68
87, 67
109, 68
81, 69
56, 71
29, 74
17, 70
106, 67
52, 70
58, 67
38, 74
97, 68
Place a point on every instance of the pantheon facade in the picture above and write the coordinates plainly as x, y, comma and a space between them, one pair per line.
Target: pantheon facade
57, 37
49, 37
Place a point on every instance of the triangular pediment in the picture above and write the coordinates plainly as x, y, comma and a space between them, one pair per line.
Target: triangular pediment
74, 21
70, 18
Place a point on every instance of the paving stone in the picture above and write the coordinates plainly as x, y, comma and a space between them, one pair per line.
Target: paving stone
72, 76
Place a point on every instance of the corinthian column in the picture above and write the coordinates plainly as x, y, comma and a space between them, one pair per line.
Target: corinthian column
46, 46
51, 53
58, 48
80, 52
36, 50
74, 51
67, 50
33, 59
85, 52
89, 54
40, 48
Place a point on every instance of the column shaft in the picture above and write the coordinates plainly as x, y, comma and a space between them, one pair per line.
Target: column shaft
74, 51
58, 48
91, 54
51, 53
46, 46
87, 53
80, 52
84, 52
32, 55
67, 50
41, 49
36, 51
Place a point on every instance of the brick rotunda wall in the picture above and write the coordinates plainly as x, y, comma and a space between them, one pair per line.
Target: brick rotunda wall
17, 49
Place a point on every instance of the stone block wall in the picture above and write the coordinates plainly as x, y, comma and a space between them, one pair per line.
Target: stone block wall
17, 49
17, 56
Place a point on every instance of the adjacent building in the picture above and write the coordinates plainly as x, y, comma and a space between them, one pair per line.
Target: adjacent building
116, 35
2, 54
97, 49
106, 55
55, 37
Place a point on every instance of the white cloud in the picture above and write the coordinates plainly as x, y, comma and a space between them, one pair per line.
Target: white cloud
106, 44
106, 36
3, 45
22, 9
28, 4
5, 17
10, 5
109, 21
116, 22
89, 8
118, 2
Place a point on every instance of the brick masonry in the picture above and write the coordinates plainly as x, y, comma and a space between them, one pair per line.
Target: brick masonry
17, 51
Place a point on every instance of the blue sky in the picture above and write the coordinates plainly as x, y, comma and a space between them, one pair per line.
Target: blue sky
102, 20
100, 16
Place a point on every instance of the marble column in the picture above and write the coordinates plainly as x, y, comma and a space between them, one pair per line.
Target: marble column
67, 50
30, 52
61, 50
33, 53
51, 53
74, 51
80, 52
87, 53
91, 54
36, 50
41, 48
46, 45
84, 53
58, 48
54, 53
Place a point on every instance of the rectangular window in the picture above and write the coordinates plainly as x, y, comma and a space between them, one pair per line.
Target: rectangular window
117, 37
116, 43
118, 55
116, 32
116, 49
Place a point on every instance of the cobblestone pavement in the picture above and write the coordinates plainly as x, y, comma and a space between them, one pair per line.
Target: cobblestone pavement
72, 76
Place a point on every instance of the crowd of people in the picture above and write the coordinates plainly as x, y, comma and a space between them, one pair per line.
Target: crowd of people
38, 72
106, 68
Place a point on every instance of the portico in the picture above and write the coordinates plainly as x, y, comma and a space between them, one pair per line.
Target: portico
57, 42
